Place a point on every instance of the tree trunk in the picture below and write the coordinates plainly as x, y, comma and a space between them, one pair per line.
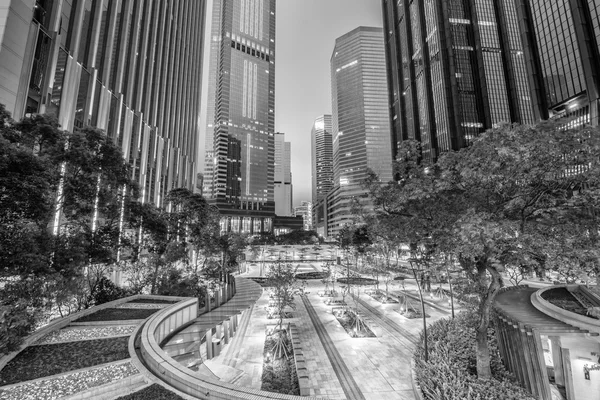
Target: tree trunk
155, 277
487, 299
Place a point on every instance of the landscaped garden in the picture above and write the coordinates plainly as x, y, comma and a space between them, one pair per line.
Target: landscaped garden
118, 314
410, 309
450, 372
311, 275
51, 359
153, 301
279, 370
382, 297
86, 333
356, 281
353, 324
563, 298
66, 385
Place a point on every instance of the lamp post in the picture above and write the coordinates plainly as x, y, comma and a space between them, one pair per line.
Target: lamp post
411, 261
451, 294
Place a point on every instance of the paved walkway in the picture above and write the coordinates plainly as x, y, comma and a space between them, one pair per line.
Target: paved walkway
351, 389
339, 367
380, 366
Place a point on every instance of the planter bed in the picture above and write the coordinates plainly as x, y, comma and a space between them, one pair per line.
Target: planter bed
356, 281
67, 385
118, 314
347, 319
380, 297
51, 359
412, 314
311, 275
279, 375
146, 306
260, 280
152, 392
562, 298
74, 334
152, 301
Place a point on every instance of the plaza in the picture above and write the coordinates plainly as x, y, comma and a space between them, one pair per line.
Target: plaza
334, 365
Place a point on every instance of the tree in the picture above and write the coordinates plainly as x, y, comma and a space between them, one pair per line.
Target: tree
194, 222
282, 278
507, 200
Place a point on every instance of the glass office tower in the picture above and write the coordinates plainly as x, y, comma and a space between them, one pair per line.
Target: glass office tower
129, 67
321, 157
455, 69
360, 121
562, 46
243, 145
283, 191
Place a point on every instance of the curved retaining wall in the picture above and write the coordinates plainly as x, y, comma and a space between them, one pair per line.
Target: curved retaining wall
571, 318
182, 378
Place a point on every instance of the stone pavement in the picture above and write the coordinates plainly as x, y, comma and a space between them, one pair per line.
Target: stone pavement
380, 366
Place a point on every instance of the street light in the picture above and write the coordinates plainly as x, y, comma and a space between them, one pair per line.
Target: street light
411, 261
451, 294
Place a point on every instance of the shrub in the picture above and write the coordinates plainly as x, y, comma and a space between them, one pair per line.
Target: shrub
175, 283
16, 322
451, 371
106, 291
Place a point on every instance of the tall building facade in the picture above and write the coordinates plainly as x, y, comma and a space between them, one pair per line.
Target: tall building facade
304, 210
243, 143
562, 49
321, 157
208, 109
455, 69
129, 67
360, 120
283, 176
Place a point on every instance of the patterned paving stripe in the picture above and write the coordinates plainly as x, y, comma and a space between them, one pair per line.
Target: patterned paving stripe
390, 325
348, 383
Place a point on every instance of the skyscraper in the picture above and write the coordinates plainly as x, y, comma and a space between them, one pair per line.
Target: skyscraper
283, 176
360, 121
304, 210
562, 49
321, 157
244, 115
455, 69
130, 67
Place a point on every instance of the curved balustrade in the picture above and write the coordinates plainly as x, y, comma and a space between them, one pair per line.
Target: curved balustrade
170, 321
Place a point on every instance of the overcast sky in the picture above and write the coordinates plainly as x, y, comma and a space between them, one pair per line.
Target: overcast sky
306, 33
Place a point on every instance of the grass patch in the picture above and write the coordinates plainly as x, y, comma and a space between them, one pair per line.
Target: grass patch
153, 301
51, 359
118, 314
152, 392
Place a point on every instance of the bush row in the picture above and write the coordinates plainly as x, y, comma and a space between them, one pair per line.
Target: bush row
451, 370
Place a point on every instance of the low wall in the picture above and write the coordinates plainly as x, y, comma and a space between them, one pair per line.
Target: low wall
571, 318
184, 379
60, 323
